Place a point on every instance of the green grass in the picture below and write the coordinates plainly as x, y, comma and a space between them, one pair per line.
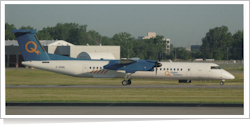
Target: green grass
41, 77
124, 95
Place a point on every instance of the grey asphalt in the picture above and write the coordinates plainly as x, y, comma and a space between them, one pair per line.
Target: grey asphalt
123, 109
129, 86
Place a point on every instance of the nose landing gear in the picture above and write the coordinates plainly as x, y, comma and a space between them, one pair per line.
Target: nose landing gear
222, 82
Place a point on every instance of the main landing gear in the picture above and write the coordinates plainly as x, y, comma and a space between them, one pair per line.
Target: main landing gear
127, 80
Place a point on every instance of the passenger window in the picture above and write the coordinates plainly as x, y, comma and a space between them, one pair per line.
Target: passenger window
90, 67
167, 68
177, 69
215, 67
96, 67
174, 69
100, 67
160, 68
188, 69
171, 69
181, 69
93, 67
164, 69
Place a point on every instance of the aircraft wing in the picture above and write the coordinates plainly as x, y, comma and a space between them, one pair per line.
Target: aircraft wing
128, 61
131, 65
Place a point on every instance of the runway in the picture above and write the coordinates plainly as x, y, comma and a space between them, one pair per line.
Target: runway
129, 86
123, 109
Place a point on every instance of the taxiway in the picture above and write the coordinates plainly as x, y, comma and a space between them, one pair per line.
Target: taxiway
129, 86
123, 109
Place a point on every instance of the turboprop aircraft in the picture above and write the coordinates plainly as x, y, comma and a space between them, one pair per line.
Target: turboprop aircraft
35, 56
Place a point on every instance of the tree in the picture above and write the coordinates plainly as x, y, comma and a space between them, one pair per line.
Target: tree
199, 54
44, 34
104, 40
27, 27
237, 46
71, 32
217, 55
181, 53
94, 37
8, 31
125, 40
216, 42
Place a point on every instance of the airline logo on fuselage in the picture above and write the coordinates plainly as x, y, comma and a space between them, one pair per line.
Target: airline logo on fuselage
167, 73
32, 50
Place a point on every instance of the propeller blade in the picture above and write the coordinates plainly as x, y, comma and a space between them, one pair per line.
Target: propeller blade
157, 64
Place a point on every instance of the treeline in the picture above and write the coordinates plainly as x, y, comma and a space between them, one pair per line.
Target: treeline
217, 44
220, 44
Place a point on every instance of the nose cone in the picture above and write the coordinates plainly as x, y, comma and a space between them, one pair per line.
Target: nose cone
229, 76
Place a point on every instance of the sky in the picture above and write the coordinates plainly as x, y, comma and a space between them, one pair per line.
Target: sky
184, 25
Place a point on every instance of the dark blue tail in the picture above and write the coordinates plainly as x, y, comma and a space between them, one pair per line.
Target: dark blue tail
30, 46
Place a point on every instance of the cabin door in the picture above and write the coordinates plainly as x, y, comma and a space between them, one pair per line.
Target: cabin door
85, 69
200, 73
188, 72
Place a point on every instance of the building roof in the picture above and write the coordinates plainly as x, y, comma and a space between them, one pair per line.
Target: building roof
43, 42
195, 45
96, 55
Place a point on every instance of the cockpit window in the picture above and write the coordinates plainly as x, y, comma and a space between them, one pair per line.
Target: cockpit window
215, 67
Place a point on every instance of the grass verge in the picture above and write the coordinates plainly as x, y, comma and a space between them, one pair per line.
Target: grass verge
124, 95
41, 77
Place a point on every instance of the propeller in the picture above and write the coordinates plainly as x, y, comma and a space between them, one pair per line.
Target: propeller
157, 64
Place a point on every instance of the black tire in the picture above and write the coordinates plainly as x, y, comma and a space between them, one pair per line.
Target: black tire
124, 82
129, 82
221, 83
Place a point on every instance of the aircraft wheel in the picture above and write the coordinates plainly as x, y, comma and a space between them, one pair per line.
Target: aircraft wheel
124, 82
221, 83
129, 82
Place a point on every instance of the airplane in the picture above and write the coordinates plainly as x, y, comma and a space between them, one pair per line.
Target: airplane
35, 56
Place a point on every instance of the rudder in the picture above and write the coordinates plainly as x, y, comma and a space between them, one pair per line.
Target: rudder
29, 45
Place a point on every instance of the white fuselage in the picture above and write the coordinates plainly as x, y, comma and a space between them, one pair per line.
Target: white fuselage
168, 70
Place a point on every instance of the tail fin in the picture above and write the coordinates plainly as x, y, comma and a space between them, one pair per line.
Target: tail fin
30, 46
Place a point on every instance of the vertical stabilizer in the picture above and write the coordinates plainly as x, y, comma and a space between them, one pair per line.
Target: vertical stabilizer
29, 45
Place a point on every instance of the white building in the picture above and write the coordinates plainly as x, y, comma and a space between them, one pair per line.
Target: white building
55, 43
153, 35
150, 35
96, 55
167, 45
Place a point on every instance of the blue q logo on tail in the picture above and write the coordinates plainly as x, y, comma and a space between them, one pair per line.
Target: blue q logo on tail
32, 50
